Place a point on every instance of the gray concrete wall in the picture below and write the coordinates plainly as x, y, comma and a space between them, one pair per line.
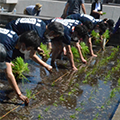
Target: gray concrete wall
55, 8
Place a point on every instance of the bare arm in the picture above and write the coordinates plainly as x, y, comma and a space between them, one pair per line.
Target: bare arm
83, 8
80, 52
11, 78
70, 56
90, 47
39, 61
13, 83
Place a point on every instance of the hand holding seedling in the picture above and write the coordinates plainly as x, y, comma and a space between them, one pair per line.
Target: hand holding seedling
46, 52
102, 13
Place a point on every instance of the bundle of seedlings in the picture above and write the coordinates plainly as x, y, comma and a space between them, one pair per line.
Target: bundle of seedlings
85, 49
19, 68
46, 53
103, 13
75, 54
96, 37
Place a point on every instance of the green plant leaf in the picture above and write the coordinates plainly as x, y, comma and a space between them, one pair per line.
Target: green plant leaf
106, 34
46, 51
85, 49
95, 35
19, 68
75, 54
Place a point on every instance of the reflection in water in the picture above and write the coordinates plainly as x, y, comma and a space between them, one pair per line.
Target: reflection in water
43, 73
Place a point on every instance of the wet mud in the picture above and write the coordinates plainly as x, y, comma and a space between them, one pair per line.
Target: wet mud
91, 93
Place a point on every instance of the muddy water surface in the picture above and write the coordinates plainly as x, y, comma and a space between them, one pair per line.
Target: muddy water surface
63, 94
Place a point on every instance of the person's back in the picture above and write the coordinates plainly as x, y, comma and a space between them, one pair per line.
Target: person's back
22, 25
68, 28
8, 39
83, 18
73, 7
33, 9
30, 9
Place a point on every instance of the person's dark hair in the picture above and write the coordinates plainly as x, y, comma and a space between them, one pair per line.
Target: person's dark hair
81, 30
31, 39
110, 22
57, 27
103, 26
89, 25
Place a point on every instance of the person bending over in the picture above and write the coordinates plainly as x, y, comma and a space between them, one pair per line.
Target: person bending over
26, 45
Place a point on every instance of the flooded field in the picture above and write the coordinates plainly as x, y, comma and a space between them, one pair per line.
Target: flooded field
91, 93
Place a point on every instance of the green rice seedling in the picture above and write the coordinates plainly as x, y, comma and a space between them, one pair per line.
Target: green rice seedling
108, 102
105, 37
39, 117
95, 35
106, 34
101, 63
97, 107
114, 70
119, 82
96, 116
29, 94
46, 51
84, 81
55, 104
97, 41
117, 67
77, 85
112, 94
102, 107
104, 13
79, 109
73, 116
118, 89
19, 68
108, 76
75, 54
69, 93
72, 91
85, 49
53, 84
46, 109
61, 98
82, 103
